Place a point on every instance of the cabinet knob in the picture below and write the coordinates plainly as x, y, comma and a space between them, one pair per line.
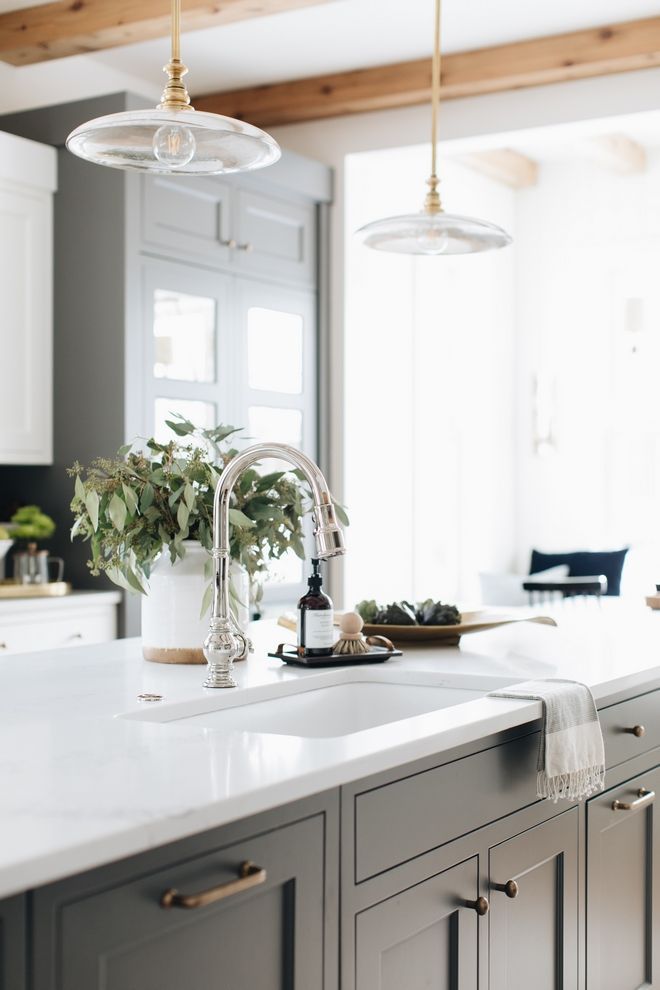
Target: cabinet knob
231, 243
636, 730
481, 906
510, 888
247, 247
3, 646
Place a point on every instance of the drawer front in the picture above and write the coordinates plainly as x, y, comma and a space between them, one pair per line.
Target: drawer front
399, 821
46, 633
268, 936
619, 722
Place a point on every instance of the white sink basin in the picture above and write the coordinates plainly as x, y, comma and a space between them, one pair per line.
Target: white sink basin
322, 706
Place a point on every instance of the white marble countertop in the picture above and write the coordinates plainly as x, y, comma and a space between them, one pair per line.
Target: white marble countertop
80, 787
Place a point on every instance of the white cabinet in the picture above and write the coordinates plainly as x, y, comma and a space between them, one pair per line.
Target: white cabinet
29, 624
27, 183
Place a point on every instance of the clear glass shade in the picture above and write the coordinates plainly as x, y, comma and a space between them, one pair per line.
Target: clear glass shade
173, 141
433, 233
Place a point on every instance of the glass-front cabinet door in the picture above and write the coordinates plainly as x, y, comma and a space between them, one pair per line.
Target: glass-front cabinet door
226, 349
277, 388
189, 355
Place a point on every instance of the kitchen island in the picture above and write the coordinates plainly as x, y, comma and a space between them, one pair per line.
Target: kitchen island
111, 805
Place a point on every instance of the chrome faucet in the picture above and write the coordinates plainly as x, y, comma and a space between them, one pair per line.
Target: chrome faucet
226, 642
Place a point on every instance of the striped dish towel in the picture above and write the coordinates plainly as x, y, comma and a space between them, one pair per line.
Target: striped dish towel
571, 760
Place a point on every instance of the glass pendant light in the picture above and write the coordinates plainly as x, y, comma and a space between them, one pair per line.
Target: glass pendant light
432, 231
174, 138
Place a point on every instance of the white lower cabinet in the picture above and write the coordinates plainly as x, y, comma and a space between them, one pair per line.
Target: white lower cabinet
77, 620
27, 183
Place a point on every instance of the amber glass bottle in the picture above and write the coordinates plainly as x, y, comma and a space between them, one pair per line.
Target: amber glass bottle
316, 634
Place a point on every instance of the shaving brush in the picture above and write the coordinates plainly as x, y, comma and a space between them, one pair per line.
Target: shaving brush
351, 641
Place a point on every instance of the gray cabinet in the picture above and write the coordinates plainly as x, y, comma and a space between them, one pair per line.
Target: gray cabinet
215, 222
426, 936
623, 892
262, 928
534, 907
13, 944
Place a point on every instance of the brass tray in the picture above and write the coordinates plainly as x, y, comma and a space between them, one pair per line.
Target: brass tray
471, 622
50, 589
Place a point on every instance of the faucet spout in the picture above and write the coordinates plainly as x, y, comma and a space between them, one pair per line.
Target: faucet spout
225, 641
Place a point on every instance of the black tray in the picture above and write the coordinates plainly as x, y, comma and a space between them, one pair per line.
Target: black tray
376, 654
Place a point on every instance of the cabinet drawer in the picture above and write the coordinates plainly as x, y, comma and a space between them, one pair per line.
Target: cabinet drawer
268, 936
77, 628
618, 721
401, 820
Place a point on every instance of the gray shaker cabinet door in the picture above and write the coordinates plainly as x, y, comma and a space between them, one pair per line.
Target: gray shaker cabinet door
12, 944
623, 903
425, 938
269, 937
534, 934
276, 238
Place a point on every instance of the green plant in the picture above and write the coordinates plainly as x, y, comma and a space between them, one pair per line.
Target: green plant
132, 506
30, 523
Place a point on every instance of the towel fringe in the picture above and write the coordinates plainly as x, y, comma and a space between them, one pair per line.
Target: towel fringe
572, 786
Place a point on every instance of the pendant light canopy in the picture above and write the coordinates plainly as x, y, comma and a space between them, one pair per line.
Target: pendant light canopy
174, 138
432, 231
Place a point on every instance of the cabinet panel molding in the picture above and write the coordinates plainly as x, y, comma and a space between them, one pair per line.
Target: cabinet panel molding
623, 887
534, 921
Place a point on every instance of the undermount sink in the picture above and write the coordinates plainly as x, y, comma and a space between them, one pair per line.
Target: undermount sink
322, 706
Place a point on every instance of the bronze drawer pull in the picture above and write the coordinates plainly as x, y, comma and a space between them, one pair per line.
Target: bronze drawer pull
481, 906
644, 798
249, 875
636, 730
510, 888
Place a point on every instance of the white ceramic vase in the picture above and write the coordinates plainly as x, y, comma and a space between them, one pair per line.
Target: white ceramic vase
172, 630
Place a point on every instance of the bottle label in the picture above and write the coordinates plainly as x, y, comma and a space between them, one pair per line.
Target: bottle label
316, 628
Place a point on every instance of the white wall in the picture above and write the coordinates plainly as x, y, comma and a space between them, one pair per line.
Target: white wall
428, 392
588, 241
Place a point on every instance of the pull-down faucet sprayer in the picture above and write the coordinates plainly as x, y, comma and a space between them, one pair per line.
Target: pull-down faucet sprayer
226, 642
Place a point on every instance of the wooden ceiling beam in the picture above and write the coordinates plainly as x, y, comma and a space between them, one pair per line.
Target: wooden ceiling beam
618, 153
504, 165
557, 58
73, 27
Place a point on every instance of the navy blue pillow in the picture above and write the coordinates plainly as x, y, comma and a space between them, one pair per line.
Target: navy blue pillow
585, 563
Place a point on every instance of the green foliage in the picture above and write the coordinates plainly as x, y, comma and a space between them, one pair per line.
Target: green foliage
131, 506
30, 523
427, 613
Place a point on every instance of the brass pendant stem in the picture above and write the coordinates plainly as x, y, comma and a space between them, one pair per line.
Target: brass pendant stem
175, 95
432, 202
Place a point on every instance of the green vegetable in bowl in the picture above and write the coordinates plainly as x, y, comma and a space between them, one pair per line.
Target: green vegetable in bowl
430, 613
403, 613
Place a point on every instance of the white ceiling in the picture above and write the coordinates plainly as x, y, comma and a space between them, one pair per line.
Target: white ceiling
340, 35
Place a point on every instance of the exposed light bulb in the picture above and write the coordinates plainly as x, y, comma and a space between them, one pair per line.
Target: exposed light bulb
174, 145
433, 241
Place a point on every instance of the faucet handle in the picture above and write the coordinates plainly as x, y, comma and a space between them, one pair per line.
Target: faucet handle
221, 648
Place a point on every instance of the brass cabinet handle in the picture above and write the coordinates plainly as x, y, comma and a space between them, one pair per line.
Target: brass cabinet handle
247, 246
510, 888
636, 730
231, 243
643, 799
249, 875
481, 906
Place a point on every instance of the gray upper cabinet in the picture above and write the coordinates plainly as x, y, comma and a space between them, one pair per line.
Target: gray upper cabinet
265, 931
13, 944
623, 887
534, 908
424, 937
214, 222
188, 217
276, 238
